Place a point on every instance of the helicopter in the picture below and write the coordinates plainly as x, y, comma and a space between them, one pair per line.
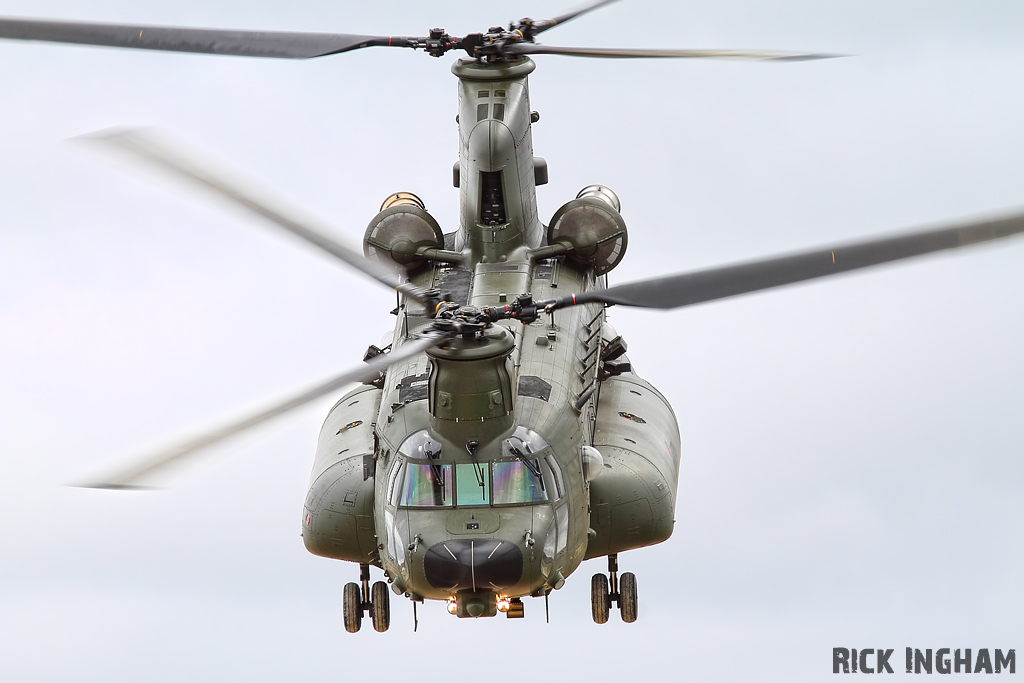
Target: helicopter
476, 313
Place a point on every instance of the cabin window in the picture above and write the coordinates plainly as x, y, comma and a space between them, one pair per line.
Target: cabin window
481, 112
483, 93
492, 198
499, 93
427, 486
499, 112
473, 483
518, 481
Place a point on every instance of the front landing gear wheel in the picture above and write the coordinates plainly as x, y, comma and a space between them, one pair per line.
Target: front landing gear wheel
380, 607
627, 597
352, 607
599, 602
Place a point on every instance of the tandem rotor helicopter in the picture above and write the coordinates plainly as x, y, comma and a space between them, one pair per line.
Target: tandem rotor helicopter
499, 437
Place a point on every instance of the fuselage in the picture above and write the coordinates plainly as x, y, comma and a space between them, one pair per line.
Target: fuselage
473, 469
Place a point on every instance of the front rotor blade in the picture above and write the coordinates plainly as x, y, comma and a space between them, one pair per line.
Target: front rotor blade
643, 53
542, 25
275, 44
718, 283
147, 146
129, 477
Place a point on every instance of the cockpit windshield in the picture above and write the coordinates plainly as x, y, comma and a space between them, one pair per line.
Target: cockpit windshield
525, 472
427, 486
518, 481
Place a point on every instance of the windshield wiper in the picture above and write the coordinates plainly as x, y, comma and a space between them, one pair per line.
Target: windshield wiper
531, 465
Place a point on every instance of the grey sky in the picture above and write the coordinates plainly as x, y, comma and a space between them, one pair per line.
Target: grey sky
852, 460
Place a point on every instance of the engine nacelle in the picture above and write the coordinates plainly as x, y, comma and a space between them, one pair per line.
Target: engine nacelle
402, 227
592, 226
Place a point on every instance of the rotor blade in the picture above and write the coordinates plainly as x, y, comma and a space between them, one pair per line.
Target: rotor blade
542, 25
275, 44
128, 477
147, 146
718, 283
644, 53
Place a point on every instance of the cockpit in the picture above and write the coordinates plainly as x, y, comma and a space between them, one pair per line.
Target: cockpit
524, 472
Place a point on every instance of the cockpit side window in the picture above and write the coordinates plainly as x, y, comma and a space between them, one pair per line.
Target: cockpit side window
395, 481
556, 474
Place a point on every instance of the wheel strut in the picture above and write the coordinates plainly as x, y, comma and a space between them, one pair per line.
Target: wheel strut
613, 578
364, 581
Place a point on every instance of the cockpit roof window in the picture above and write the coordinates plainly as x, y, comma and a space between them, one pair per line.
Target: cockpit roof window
420, 445
526, 440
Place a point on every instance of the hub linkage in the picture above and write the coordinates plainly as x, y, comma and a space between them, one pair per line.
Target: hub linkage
487, 46
454, 319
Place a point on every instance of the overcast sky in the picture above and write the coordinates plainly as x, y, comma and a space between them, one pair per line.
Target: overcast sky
853, 450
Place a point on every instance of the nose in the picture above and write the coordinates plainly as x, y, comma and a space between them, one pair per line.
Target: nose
473, 564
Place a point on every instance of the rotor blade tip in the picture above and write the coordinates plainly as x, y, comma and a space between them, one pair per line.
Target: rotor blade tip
812, 57
113, 487
115, 135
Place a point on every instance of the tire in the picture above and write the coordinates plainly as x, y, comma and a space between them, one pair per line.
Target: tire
381, 606
599, 602
627, 597
352, 608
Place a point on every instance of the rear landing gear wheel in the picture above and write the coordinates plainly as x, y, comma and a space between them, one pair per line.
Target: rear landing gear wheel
599, 602
380, 607
627, 597
352, 607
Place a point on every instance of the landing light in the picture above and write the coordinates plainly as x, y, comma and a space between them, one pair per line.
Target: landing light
453, 606
503, 604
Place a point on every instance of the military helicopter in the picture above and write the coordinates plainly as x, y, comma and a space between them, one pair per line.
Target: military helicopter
500, 436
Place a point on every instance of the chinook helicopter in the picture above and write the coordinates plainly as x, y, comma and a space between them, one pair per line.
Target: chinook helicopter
500, 436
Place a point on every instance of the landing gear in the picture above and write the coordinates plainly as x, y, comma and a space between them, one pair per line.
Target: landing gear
358, 598
599, 600
605, 590
352, 607
627, 597
380, 607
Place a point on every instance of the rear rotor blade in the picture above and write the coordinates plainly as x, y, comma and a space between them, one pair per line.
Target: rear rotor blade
643, 53
157, 151
542, 25
275, 44
129, 477
687, 289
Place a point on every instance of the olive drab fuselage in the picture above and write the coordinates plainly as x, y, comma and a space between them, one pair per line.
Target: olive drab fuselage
495, 465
